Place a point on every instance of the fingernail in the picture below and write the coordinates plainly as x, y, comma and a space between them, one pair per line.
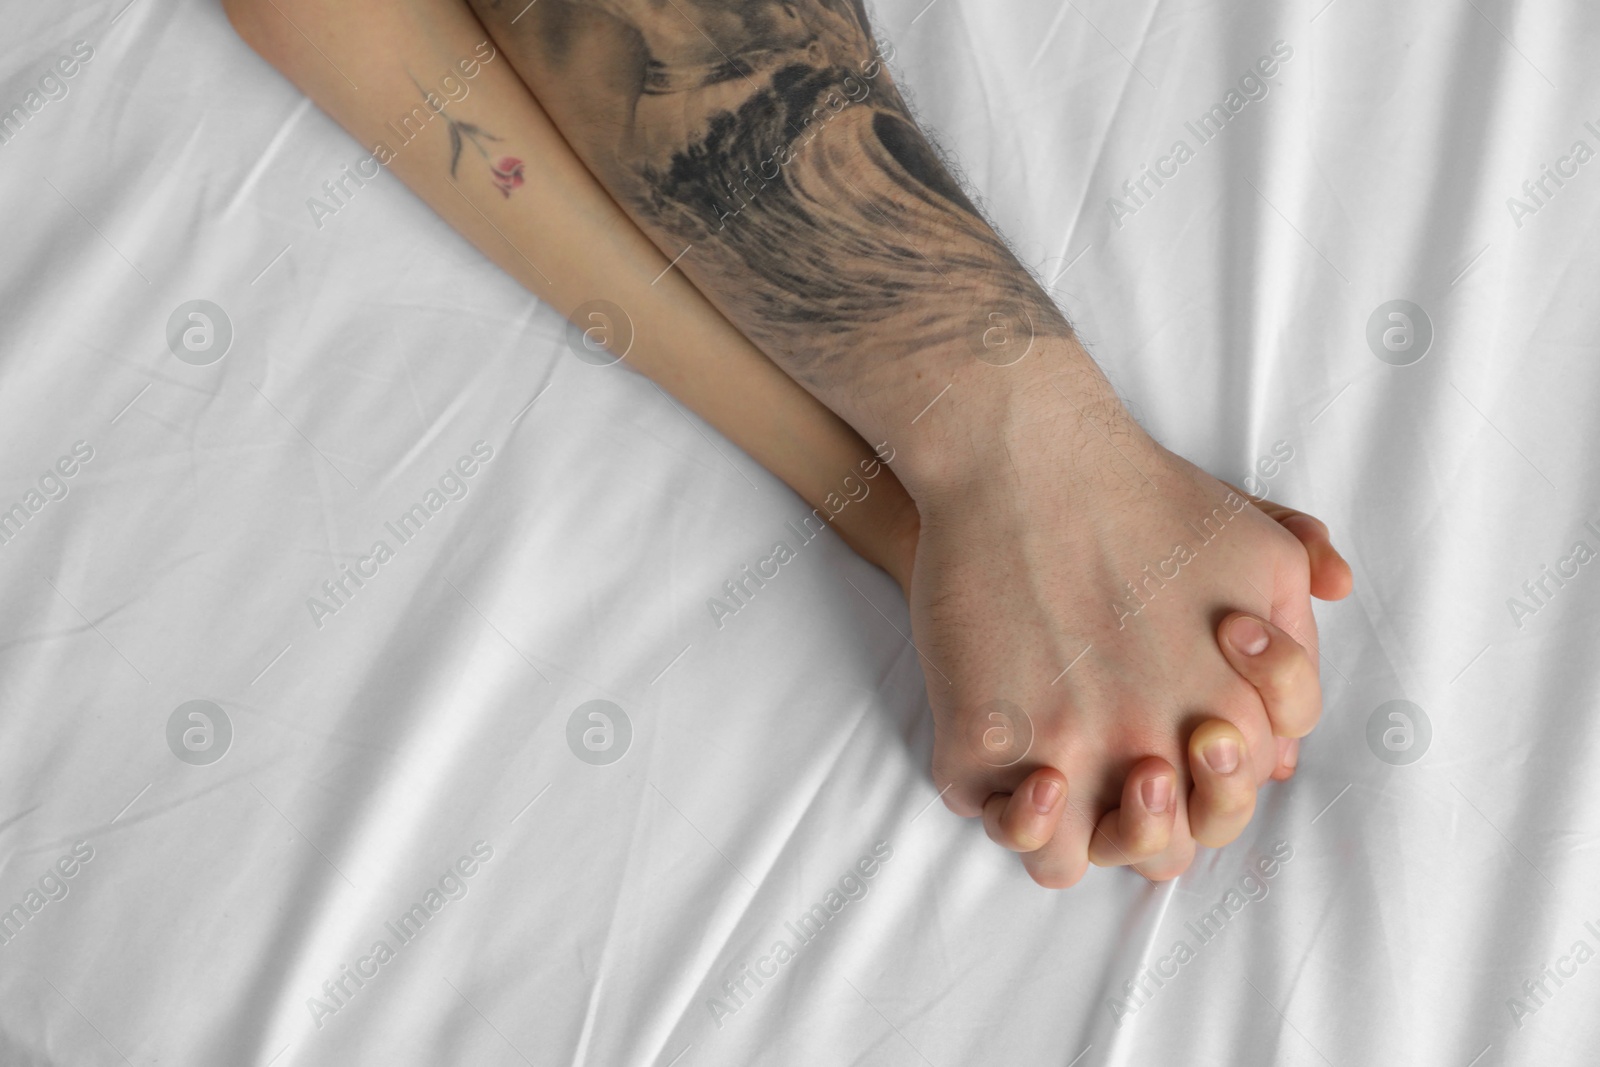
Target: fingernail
1291, 758
1248, 636
1223, 755
1157, 793
1046, 794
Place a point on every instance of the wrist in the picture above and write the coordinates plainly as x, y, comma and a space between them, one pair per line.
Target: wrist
893, 539
1047, 412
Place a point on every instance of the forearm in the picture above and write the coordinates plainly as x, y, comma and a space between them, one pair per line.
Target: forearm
764, 146
558, 232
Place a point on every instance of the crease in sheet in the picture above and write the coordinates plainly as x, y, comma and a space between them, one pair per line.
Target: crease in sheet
274, 146
1120, 1046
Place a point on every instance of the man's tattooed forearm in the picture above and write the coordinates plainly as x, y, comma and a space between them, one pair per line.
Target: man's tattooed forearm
768, 137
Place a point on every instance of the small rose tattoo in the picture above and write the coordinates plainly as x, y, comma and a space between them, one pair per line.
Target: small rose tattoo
508, 174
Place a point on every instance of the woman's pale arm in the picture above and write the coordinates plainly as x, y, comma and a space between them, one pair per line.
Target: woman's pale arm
422, 85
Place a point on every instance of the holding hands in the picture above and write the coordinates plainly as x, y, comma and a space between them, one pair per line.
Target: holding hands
1120, 649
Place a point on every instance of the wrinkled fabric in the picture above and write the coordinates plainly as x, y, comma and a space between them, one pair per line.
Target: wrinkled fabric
400, 747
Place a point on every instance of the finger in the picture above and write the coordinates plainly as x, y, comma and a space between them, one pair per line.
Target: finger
960, 798
1331, 578
1179, 853
964, 784
1278, 667
1062, 861
1224, 796
1288, 758
1142, 828
978, 752
1026, 819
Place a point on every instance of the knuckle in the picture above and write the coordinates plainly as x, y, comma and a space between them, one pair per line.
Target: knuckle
1101, 855
1166, 868
1021, 837
962, 802
1232, 804
1147, 839
1217, 837
961, 789
1059, 877
1226, 821
1285, 673
1311, 713
1054, 868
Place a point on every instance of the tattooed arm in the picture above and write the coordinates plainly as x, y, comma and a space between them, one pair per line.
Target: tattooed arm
439, 108
762, 145
996, 598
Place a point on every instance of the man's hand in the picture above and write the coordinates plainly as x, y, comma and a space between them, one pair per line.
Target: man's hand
763, 147
1071, 616
1143, 826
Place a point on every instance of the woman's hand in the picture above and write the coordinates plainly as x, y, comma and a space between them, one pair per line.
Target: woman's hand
1142, 796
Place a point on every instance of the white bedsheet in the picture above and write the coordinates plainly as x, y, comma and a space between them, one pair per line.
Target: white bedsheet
375, 746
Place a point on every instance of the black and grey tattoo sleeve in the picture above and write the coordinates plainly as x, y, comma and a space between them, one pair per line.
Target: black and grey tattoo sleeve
766, 138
